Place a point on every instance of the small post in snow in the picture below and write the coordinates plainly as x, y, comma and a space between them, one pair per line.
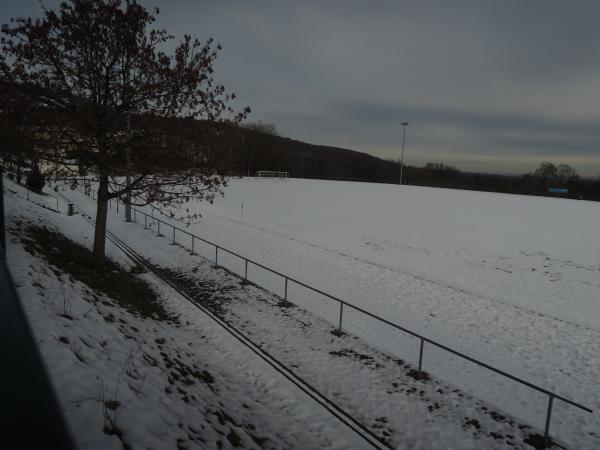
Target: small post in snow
421, 357
128, 202
548, 416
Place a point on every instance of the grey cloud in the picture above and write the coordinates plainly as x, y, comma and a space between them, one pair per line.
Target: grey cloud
378, 116
484, 83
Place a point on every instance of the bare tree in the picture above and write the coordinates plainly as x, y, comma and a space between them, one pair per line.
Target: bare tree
546, 171
14, 145
566, 174
107, 98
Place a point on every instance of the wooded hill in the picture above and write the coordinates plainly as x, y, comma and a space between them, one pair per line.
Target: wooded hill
260, 150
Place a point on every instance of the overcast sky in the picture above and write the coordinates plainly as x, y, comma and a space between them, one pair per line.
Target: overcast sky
493, 86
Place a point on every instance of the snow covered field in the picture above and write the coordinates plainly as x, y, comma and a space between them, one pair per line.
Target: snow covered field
511, 280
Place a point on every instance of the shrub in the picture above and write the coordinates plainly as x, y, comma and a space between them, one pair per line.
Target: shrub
35, 179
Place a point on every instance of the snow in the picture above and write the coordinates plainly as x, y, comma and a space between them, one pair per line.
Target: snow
136, 361
510, 280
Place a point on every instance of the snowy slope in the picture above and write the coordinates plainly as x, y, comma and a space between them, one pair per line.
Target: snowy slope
457, 266
167, 385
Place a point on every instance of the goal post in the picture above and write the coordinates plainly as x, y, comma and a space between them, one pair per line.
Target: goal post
272, 174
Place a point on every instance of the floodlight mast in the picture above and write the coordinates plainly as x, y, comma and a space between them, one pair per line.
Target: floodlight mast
404, 125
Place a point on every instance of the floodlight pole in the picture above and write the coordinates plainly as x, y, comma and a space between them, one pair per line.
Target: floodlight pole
404, 125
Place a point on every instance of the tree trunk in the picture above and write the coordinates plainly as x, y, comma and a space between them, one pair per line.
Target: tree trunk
18, 171
128, 201
100, 228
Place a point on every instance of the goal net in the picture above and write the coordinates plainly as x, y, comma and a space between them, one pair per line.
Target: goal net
272, 174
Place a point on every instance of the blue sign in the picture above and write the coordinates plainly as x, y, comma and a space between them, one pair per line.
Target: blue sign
558, 190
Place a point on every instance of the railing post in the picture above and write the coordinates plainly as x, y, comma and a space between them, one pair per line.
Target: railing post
246, 271
286, 289
548, 416
158, 228
341, 315
145, 221
57, 203
173, 235
216, 255
117, 205
192, 244
421, 357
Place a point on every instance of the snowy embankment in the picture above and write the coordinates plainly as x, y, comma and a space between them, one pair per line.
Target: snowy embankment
510, 280
126, 380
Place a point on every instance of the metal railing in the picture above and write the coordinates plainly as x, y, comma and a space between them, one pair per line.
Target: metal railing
40, 193
29, 191
344, 304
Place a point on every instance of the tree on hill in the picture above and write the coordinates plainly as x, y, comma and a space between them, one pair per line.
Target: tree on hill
257, 147
103, 96
441, 167
261, 127
546, 171
567, 174
14, 146
548, 174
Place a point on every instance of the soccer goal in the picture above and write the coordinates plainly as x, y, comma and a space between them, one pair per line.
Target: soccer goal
272, 174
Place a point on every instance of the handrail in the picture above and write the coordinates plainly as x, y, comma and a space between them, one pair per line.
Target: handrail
357, 308
381, 319
37, 192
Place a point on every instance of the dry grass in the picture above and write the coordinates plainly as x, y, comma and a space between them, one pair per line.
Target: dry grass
123, 287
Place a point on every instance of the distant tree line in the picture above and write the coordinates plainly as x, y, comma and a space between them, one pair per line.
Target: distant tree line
259, 147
